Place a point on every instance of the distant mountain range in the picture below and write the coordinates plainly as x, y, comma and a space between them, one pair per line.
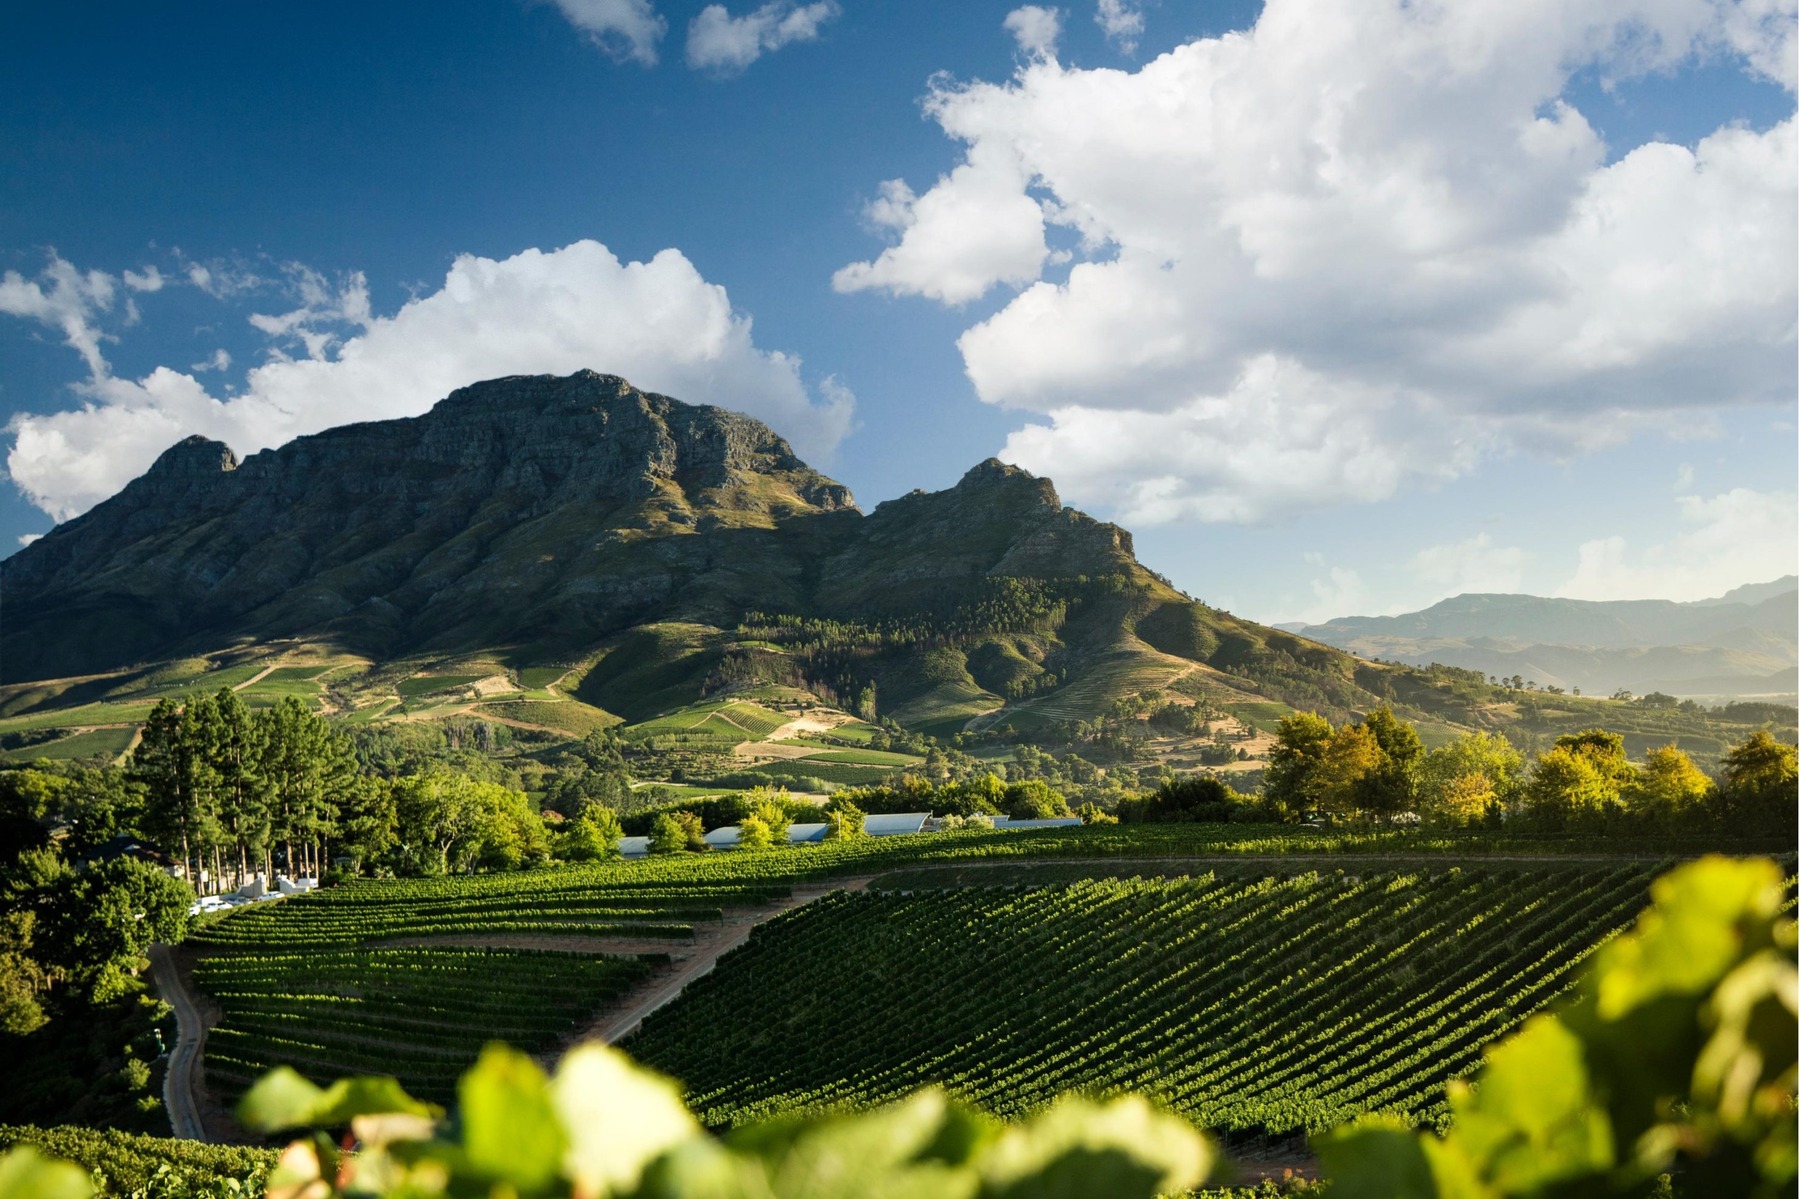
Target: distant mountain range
1741, 644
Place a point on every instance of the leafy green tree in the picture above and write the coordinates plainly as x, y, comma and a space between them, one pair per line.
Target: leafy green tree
1580, 779
592, 836
304, 765
1300, 741
1034, 799
368, 820
1350, 757
1462, 782
238, 745
1669, 789
1761, 787
1188, 798
23, 979
1392, 785
174, 763
667, 835
102, 920
753, 833
843, 818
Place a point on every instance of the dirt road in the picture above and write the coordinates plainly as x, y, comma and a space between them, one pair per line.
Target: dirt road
190, 1041
665, 987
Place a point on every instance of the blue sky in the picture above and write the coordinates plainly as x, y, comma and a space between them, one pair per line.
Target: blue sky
1338, 308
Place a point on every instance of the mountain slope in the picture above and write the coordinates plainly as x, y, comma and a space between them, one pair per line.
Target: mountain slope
560, 554
516, 511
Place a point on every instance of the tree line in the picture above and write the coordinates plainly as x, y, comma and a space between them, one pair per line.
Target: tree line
1378, 767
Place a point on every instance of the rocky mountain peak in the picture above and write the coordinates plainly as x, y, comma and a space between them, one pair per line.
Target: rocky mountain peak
537, 509
193, 457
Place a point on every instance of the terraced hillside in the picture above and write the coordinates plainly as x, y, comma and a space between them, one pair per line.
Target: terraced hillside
1244, 1001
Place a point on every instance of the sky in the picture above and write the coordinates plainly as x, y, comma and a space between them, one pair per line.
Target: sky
1340, 309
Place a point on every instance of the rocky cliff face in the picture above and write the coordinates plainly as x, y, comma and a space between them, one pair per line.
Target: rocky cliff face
528, 511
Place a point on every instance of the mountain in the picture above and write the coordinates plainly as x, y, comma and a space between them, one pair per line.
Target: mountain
1739, 644
651, 551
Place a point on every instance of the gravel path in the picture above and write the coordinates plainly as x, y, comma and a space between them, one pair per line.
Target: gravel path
190, 1040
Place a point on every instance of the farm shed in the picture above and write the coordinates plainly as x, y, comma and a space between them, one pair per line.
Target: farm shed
890, 824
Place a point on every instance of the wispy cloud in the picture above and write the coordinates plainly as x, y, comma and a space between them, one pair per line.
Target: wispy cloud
725, 45
628, 30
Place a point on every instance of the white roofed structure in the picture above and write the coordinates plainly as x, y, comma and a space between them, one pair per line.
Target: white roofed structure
892, 824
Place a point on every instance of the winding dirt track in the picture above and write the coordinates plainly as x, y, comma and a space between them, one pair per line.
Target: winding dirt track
190, 1041
662, 989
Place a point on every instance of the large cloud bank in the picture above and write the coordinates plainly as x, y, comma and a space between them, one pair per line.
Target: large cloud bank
1353, 248
658, 323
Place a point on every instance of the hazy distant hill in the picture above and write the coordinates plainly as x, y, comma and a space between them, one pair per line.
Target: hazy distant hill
1739, 644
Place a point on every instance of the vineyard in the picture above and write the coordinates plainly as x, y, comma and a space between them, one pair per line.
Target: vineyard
1245, 1002
128, 1165
420, 1014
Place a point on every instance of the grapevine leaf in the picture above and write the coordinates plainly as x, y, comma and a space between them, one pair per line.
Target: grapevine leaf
27, 1174
1380, 1157
509, 1126
915, 1149
1534, 1120
617, 1117
280, 1099
1080, 1148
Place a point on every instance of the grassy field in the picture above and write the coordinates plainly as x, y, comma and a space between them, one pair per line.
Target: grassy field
105, 743
564, 715
430, 684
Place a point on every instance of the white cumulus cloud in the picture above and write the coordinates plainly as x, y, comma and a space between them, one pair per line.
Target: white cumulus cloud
1722, 541
624, 29
720, 42
1036, 29
1353, 248
1122, 22
657, 323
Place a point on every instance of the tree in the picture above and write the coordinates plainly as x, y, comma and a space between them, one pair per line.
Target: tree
238, 746
1189, 798
1299, 745
770, 808
667, 835
1761, 786
1350, 756
1462, 781
1578, 779
592, 836
305, 764
1034, 799
753, 833
104, 919
1391, 786
368, 820
1670, 787
844, 820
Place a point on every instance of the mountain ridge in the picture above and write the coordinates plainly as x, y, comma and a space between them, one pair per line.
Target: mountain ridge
581, 503
1741, 643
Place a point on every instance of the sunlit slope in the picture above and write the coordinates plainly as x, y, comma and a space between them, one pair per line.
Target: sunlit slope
1243, 1002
